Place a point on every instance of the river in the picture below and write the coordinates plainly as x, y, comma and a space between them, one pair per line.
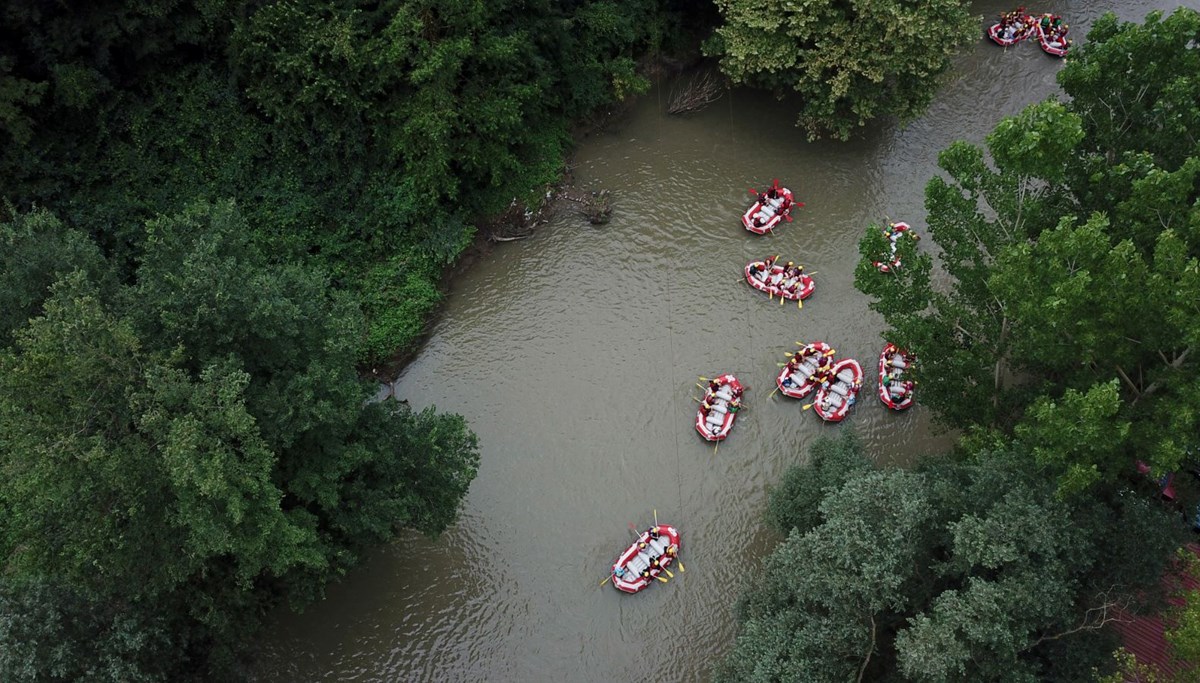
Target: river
574, 356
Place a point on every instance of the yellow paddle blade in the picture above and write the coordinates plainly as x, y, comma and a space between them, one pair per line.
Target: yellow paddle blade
605, 580
799, 304
656, 517
703, 379
769, 296
661, 579
681, 567
800, 343
780, 299
668, 571
806, 407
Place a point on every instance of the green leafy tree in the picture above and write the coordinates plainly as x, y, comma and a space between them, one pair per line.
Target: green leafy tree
373, 135
36, 250
963, 569
1071, 263
849, 62
832, 462
199, 442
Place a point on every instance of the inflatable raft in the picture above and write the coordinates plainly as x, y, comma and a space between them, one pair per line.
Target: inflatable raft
895, 231
769, 209
895, 391
1012, 28
795, 379
766, 276
723, 398
646, 558
834, 401
1053, 41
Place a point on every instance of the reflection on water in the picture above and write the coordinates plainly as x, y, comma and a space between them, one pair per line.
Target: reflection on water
574, 356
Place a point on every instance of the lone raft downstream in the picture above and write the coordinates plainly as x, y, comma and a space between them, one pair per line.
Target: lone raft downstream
646, 558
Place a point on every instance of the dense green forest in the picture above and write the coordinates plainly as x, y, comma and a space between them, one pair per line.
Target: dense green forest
1057, 334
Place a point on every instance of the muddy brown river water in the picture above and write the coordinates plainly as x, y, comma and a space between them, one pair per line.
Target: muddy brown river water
574, 355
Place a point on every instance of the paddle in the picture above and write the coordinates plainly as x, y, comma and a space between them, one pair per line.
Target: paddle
605, 580
668, 571
806, 407
661, 579
681, 567
773, 391
799, 304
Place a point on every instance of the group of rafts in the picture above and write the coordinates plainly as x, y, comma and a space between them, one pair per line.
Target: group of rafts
814, 367
1017, 25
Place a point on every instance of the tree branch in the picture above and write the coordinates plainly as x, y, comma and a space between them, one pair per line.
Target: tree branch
862, 670
1094, 619
1132, 386
1174, 365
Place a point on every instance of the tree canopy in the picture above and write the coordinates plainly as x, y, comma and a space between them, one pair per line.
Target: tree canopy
207, 418
371, 135
1070, 252
849, 62
960, 569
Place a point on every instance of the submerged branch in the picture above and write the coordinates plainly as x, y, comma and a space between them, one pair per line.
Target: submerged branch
702, 90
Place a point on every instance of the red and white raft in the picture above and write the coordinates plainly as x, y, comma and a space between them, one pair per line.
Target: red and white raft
1012, 28
766, 276
796, 379
834, 401
769, 209
1053, 41
895, 231
646, 558
895, 391
722, 399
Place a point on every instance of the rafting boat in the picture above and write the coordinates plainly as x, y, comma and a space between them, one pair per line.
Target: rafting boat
714, 422
796, 377
769, 209
1018, 27
1053, 40
894, 231
895, 391
834, 401
766, 276
635, 568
